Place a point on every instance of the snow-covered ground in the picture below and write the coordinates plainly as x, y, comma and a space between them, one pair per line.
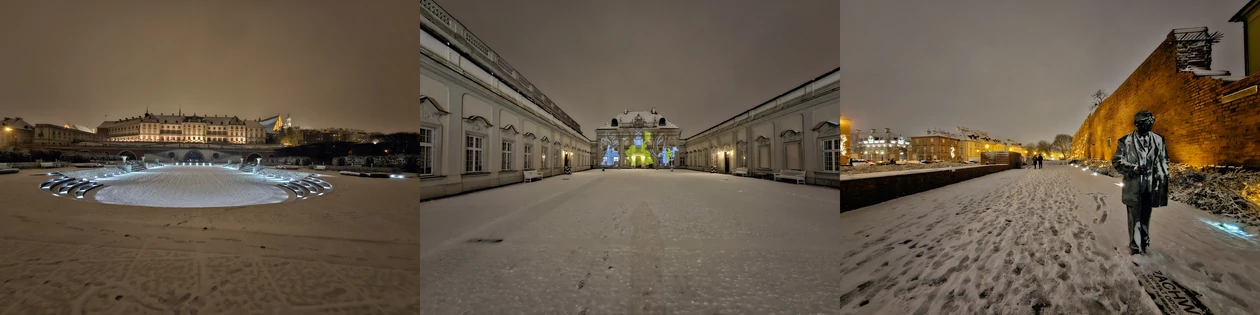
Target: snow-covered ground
1026, 241
189, 187
91, 173
633, 242
352, 252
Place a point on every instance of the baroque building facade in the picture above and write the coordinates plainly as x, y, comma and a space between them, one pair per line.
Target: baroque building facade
797, 130
180, 128
635, 140
482, 124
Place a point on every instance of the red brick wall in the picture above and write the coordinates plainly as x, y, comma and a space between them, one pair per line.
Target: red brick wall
1197, 128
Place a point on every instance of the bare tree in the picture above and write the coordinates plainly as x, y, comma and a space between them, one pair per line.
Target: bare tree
1098, 96
1062, 144
1043, 146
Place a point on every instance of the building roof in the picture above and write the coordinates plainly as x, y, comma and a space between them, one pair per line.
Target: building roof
1241, 16
16, 123
174, 119
627, 119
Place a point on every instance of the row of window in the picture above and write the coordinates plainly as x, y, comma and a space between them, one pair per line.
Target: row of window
830, 156
475, 155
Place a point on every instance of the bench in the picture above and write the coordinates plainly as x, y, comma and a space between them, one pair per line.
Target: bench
799, 176
8, 171
741, 171
286, 167
321, 167
47, 165
531, 176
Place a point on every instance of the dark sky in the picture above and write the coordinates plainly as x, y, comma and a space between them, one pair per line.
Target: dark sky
331, 63
698, 62
1022, 71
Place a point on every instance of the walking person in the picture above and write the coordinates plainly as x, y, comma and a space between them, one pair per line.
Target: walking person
1143, 160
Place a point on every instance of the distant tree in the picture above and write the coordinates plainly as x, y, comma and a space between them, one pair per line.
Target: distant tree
1043, 146
1062, 144
291, 136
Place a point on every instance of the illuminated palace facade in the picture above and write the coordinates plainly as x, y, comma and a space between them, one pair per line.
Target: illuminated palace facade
637, 139
180, 128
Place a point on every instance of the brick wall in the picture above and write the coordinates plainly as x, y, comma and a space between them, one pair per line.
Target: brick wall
1197, 128
862, 192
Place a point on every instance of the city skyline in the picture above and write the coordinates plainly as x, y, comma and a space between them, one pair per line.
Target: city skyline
328, 63
697, 62
1022, 76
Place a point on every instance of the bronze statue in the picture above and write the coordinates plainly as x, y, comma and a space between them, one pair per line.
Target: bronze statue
1143, 160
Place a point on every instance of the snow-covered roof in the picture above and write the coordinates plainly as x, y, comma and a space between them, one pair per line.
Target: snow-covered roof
1199, 71
649, 119
16, 123
83, 128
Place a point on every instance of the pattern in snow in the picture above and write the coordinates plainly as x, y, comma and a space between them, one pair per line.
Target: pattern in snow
190, 187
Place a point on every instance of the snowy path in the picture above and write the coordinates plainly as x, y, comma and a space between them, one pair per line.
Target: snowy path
1030, 241
189, 187
633, 242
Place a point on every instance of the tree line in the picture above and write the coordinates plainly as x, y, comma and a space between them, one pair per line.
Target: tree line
1060, 147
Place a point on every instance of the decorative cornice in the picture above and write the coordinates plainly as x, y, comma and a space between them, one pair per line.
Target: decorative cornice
827, 128
426, 99
762, 140
530, 135
484, 123
510, 129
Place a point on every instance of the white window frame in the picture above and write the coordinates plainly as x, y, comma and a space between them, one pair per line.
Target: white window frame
529, 157
506, 154
474, 153
833, 154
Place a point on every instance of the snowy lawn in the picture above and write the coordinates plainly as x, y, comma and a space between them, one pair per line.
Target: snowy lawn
190, 187
354, 251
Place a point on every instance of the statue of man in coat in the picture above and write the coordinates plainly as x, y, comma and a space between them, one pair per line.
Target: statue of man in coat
1143, 160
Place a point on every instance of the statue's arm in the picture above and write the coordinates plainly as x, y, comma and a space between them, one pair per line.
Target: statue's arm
1117, 160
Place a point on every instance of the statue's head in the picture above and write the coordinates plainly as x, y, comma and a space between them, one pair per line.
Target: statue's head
1144, 121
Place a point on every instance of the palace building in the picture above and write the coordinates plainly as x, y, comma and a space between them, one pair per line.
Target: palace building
637, 139
184, 129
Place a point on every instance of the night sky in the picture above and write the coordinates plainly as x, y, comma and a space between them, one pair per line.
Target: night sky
1022, 71
698, 62
331, 63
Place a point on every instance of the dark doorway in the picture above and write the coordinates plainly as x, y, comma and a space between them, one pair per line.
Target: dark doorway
130, 156
194, 156
726, 163
566, 160
252, 158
